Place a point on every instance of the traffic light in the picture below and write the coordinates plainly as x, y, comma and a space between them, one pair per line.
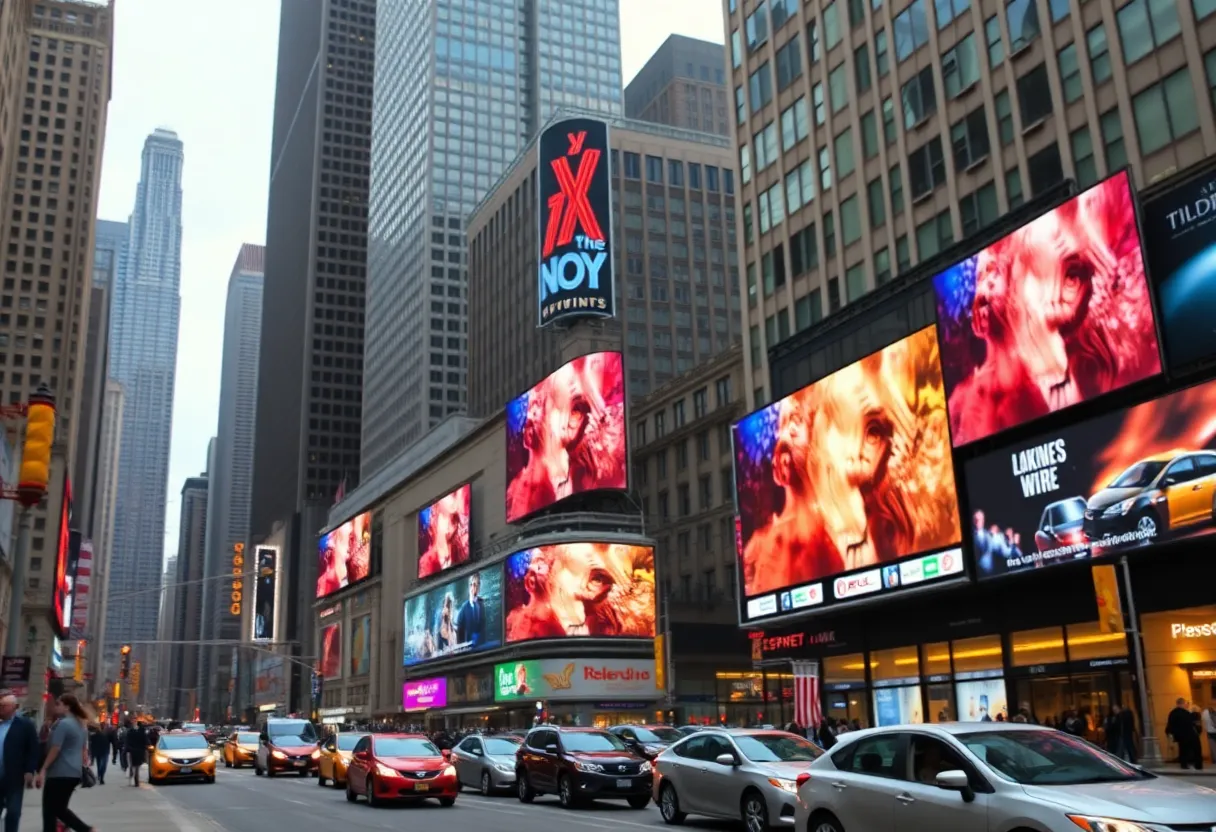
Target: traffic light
36, 454
124, 664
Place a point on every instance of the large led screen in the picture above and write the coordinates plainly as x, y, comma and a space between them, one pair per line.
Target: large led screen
461, 616
1119, 481
1180, 226
265, 593
443, 532
1056, 313
331, 651
345, 555
602, 590
845, 480
61, 593
566, 435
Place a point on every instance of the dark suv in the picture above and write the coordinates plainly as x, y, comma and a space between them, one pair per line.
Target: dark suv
581, 764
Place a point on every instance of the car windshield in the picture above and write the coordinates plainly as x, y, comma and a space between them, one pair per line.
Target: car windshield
1048, 758
1068, 511
346, 742
247, 738
657, 734
777, 748
297, 731
401, 747
194, 726
499, 747
179, 742
1139, 475
592, 741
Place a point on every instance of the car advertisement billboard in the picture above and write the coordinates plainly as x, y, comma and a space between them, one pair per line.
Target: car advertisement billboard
845, 488
574, 222
443, 532
565, 590
461, 616
1120, 481
345, 555
265, 592
566, 435
1053, 314
566, 679
1181, 223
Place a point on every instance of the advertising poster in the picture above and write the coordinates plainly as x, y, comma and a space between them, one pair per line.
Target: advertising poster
461, 616
331, 651
981, 700
566, 679
1181, 224
1116, 482
62, 588
420, 694
566, 435
841, 482
81, 586
269, 680
345, 555
264, 592
361, 646
574, 222
898, 706
443, 532
563, 590
1056, 313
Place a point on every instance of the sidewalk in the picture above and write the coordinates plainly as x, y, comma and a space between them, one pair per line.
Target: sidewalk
116, 806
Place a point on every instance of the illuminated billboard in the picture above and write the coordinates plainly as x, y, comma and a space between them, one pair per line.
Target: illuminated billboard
62, 588
345, 555
574, 222
265, 592
461, 616
443, 532
845, 488
566, 435
331, 651
1051, 315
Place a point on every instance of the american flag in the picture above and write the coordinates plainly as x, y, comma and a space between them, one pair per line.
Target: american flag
808, 712
80, 592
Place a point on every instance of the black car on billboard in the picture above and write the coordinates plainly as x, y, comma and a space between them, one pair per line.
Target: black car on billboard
1062, 524
1156, 495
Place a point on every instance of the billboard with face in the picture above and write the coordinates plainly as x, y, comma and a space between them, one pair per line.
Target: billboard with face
345, 555
443, 532
265, 592
461, 616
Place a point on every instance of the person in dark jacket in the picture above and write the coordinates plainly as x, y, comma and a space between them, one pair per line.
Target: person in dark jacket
1180, 724
137, 749
99, 751
19, 759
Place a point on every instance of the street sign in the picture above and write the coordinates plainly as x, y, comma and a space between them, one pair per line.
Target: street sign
15, 675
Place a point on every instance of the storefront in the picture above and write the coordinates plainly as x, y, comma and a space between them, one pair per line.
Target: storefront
590, 692
1180, 663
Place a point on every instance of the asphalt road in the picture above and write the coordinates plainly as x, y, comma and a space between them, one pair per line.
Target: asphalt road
240, 802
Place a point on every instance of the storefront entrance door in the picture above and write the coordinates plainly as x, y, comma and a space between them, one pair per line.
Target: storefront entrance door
1051, 698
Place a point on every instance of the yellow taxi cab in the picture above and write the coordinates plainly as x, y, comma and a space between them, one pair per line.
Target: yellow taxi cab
181, 755
240, 748
335, 754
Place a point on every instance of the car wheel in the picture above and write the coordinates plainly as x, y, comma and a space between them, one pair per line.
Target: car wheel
210, 779
270, 772
371, 793
447, 801
566, 794
351, 797
669, 805
257, 770
524, 788
485, 783
320, 779
1146, 526
640, 801
824, 822
336, 783
755, 812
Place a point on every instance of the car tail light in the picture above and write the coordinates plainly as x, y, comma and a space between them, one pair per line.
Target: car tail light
802, 778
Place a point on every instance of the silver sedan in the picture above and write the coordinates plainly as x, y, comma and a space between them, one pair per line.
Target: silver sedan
989, 777
733, 773
488, 763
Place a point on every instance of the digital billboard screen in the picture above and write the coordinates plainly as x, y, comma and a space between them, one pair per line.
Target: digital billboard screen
1116, 482
574, 222
443, 532
265, 592
62, 589
345, 555
840, 484
420, 694
461, 616
1053, 314
566, 435
602, 590
331, 651
361, 645
1181, 225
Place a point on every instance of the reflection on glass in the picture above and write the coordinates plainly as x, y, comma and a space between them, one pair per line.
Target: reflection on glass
844, 669
898, 663
982, 700
1087, 641
848, 707
1045, 646
898, 706
935, 661
977, 656
941, 706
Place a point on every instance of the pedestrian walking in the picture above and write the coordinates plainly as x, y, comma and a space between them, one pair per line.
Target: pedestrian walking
66, 758
99, 750
1208, 718
115, 743
1180, 724
137, 749
18, 759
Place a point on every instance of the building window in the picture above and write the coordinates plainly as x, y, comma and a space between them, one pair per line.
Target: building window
772, 208
789, 63
821, 114
855, 282
948, 10
800, 187
882, 266
911, 30
833, 294
845, 162
766, 146
825, 169
861, 68
675, 173
740, 105
1070, 73
869, 134
639, 432
1099, 53
1165, 112
926, 168
1022, 18
794, 124
919, 98
1004, 117
881, 58
1203, 8
1145, 26
1083, 161
700, 407
1209, 62
903, 254
782, 10
934, 235
960, 67
808, 310
722, 389
660, 429
1034, 96
829, 234
736, 49
1046, 169
654, 170
850, 221
756, 27
677, 418
857, 13
745, 163
996, 47
969, 139
877, 203
1013, 187
760, 87
979, 209
813, 50
838, 88
804, 250
897, 190
1059, 10
1112, 140
633, 165
888, 121
831, 25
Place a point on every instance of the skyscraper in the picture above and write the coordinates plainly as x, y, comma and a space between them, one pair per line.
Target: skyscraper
182, 678
102, 660
682, 84
143, 357
231, 478
492, 72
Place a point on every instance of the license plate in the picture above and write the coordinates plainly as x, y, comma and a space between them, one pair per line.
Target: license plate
300, 763
185, 770
422, 787
624, 784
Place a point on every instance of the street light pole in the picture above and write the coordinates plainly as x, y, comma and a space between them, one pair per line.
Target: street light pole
12, 644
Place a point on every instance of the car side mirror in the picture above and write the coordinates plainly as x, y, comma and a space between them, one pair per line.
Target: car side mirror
726, 760
956, 780
551, 748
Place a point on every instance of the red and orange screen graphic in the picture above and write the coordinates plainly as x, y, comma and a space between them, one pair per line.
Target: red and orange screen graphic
1054, 314
566, 435
345, 555
443, 532
852, 471
331, 651
603, 590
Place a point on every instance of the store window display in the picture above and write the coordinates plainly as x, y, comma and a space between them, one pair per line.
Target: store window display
979, 694
845, 691
895, 677
937, 675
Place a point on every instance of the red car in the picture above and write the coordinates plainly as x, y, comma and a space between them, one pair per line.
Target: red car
387, 767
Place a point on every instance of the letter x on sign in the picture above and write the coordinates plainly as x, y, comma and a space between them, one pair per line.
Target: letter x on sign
569, 205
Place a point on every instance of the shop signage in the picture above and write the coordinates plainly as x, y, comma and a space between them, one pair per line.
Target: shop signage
574, 679
328, 611
420, 694
1193, 630
238, 577
793, 644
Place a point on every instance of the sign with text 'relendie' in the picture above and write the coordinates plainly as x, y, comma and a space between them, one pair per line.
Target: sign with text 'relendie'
574, 204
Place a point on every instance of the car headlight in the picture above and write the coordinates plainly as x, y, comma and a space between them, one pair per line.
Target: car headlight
316, 755
210, 758
505, 768
652, 749
783, 784
1100, 824
645, 768
594, 768
450, 771
1126, 505
278, 755
385, 771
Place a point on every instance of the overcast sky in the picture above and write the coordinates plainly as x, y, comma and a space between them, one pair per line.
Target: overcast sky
207, 71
